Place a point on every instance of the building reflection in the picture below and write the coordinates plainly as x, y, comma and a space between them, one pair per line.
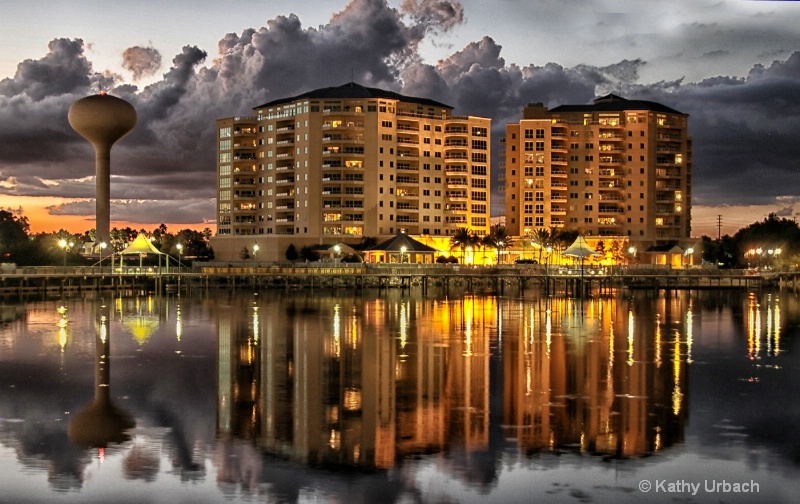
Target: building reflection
590, 379
370, 382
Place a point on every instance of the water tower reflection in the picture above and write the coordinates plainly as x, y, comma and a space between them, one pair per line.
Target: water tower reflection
101, 423
368, 382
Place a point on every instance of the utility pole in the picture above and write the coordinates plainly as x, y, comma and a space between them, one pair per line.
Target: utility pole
719, 227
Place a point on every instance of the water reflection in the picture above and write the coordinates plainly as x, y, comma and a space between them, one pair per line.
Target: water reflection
101, 423
253, 395
370, 383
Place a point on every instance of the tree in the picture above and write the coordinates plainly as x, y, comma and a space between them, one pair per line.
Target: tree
462, 239
13, 237
542, 238
291, 253
309, 254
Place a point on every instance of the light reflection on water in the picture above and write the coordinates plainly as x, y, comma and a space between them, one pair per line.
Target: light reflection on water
315, 396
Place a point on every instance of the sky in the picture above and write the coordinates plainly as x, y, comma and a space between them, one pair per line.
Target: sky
732, 65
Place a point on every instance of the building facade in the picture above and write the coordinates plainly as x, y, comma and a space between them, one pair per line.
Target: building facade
343, 163
615, 167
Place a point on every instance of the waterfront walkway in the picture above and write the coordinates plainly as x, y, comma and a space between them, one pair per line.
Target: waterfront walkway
571, 280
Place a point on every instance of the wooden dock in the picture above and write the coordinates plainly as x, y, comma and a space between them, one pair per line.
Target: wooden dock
55, 281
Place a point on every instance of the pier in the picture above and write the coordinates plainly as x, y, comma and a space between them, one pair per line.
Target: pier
573, 281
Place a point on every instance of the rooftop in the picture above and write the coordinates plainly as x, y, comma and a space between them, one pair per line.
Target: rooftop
353, 90
614, 103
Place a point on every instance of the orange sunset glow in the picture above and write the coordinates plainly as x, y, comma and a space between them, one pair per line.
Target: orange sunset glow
37, 211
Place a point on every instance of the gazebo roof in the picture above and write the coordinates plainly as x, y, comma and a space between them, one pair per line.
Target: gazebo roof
580, 248
396, 243
141, 245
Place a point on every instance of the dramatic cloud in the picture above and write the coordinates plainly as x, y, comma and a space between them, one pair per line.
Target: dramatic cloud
141, 61
743, 126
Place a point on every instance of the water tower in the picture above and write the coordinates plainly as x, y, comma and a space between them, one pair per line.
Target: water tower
102, 120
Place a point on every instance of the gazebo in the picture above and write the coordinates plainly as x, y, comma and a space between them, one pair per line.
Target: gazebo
142, 246
401, 249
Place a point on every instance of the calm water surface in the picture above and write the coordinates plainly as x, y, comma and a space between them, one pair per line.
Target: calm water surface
334, 397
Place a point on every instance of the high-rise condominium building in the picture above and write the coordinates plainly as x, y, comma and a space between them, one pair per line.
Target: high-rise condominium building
342, 163
615, 167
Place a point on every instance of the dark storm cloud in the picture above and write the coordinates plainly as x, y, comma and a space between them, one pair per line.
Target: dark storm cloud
141, 61
744, 132
64, 70
434, 15
742, 126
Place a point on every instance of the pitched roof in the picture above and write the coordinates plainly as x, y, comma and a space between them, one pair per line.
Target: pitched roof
141, 245
395, 244
614, 103
580, 248
353, 90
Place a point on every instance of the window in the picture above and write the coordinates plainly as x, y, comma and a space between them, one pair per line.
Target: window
527, 208
528, 146
540, 171
528, 133
539, 195
528, 195
539, 133
539, 146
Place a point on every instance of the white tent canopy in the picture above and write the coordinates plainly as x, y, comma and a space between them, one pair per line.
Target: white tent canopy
580, 248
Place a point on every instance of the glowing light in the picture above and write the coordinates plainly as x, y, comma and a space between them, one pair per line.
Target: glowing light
255, 324
658, 341
689, 335
337, 345
103, 329
403, 330
631, 329
178, 323
677, 395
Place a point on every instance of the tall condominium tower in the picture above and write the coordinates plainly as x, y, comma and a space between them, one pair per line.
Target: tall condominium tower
342, 163
615, 167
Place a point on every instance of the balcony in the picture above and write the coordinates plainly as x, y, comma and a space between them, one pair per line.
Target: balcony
455, 170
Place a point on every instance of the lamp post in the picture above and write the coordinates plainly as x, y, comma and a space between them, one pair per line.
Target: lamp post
499, 251
337, 249
63, 244
103, 246
256, 248
690, 256
180, 253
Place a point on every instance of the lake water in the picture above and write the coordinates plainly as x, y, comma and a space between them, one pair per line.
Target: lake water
341, 397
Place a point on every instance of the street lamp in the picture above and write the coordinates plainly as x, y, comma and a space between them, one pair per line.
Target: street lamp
63, 244
337, 249
690, 255
180, 252
499, 251
103, 246
256, 248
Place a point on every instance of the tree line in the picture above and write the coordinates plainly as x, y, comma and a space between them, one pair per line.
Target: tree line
19, 246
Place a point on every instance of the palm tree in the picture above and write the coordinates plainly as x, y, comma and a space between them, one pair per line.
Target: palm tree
500, 239
541, 237
462, 239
